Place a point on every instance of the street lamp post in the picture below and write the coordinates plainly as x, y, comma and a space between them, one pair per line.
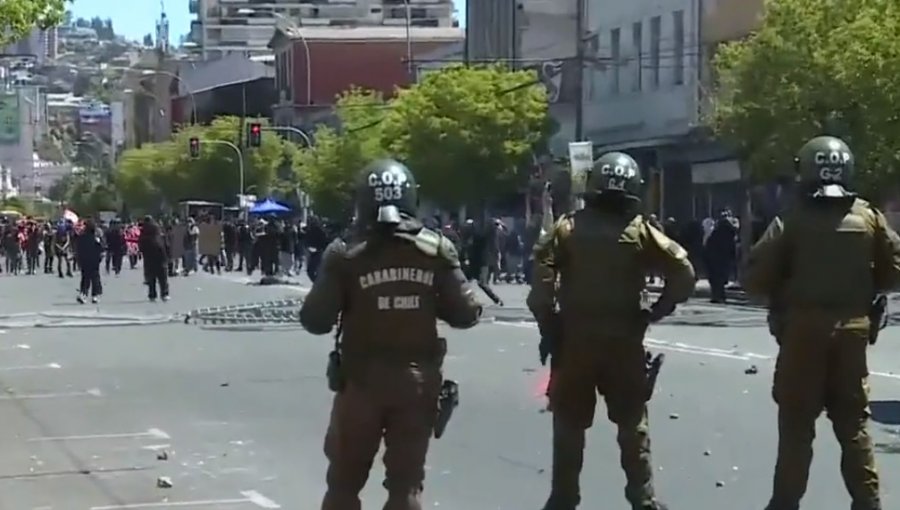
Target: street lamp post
151, 72
292, 24
291, 129
240, 156
409, 62
301, 194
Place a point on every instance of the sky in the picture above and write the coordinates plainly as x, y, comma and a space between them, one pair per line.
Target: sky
134, 18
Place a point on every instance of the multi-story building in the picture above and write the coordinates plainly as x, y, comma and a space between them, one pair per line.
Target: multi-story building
650, 93
314, 65
42, 44
246, 26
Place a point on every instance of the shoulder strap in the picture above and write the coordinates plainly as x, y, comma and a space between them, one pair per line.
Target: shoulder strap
427, 241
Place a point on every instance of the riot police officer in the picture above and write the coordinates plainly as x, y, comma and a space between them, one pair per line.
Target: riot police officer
601, 256
389, 289
819, 267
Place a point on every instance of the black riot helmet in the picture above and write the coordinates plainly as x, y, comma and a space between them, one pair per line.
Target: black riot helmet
825, 167
614, 173
386, 192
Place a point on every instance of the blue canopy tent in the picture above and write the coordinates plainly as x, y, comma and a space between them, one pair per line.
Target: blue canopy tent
268, 206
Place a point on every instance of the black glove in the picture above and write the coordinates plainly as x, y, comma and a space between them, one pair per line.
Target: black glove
658, 312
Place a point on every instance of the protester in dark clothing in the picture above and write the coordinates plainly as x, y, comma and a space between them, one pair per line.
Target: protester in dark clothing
169, 233
286, 241
244, 246
48, 249
721, 253
692, 240
152, 244
478, 243
316, 240
62, 246
89, 252
12, 249
115, 247
33, 241
268, 248
229, 244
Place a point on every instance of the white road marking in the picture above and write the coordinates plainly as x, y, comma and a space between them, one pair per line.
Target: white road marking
155, 447
30, 367
154, 433
250, 497
702, 351
158, 434
94, 392
15, 347
259, 500
175, 504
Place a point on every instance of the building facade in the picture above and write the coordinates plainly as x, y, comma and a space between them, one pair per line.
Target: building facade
42, 44
648, 93
246, 26
376, 58
493, 30
20, 120
202, 85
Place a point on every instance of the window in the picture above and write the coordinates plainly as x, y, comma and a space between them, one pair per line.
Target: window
614, 53
678, 59
655, 29
637, 36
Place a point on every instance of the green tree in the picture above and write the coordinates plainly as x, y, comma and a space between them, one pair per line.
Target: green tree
15, 204
87, 196
163, 174
465, 131
815, 67
19, 17
148, 40
144, 176
328, 171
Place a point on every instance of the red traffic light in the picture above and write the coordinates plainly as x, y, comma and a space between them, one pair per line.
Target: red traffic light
255, 135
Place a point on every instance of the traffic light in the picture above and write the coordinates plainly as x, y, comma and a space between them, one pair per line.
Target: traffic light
255, 135
195, 148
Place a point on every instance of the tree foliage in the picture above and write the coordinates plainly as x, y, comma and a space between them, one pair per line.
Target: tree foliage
162, 174
815, 67
328, 171
467, 130
19, 17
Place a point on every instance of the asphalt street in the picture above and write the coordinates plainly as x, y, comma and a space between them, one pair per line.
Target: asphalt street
101, 403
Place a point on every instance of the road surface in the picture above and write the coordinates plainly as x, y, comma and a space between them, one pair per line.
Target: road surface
238, 417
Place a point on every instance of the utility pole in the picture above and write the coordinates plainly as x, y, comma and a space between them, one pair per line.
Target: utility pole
579, 72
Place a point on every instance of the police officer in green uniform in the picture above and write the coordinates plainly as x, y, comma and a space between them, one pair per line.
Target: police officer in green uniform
389, 289
820, 266
592, 266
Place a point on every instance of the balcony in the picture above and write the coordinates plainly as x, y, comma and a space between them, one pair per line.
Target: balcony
194, 6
